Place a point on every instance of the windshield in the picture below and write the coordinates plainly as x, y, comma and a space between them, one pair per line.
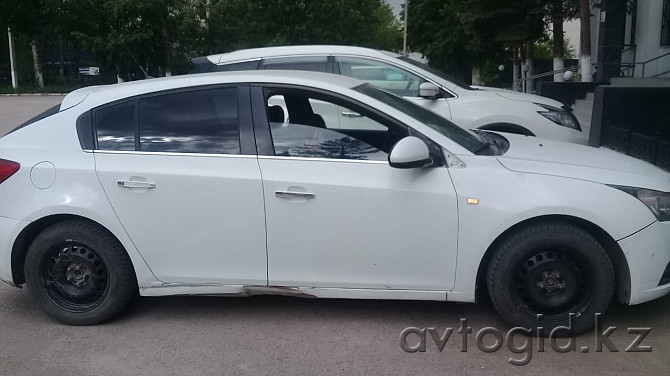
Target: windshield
437, 72
465, 138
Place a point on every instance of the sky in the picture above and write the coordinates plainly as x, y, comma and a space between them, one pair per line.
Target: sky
396, 5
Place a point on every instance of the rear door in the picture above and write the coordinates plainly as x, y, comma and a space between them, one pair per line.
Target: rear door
180, 171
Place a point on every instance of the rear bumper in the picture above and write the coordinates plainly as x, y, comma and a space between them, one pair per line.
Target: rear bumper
9, 230
648, 256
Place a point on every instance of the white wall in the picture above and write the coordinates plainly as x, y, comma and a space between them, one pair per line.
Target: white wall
648, 38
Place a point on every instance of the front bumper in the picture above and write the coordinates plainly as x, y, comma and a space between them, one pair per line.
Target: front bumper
648, 256
9, 231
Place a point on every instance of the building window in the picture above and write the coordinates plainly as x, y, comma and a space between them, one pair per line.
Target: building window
665, 24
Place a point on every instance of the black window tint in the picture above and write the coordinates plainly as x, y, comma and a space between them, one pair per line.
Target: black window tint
246, 65
115, 127
204, 121
314, 64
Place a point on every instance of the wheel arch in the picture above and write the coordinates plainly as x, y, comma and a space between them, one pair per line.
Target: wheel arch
612, 248
507, 127
30, 232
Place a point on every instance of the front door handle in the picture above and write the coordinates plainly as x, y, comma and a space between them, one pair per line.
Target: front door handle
135, 184
292, 194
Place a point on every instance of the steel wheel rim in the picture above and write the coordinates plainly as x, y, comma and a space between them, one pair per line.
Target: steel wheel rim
554, 283
74, 277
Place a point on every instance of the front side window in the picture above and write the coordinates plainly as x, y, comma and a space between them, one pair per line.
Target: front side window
465, 138
203, 121
306, 125
384, 76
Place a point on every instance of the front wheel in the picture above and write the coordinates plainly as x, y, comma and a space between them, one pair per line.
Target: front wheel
546, 273
78, 273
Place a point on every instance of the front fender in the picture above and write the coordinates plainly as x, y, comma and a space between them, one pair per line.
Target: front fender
507, 198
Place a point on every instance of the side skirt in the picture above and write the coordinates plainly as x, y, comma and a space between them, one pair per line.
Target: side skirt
303, 292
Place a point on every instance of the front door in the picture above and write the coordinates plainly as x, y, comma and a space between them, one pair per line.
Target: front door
338, 216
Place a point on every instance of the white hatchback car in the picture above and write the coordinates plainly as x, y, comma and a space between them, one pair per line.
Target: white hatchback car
196, 185
469, 107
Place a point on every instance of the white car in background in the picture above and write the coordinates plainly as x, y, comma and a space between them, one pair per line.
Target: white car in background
469, 107
199, 184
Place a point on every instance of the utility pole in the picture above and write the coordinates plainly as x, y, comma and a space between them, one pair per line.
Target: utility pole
404, 34
12, 59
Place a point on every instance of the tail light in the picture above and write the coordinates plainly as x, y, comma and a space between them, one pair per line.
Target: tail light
7, 169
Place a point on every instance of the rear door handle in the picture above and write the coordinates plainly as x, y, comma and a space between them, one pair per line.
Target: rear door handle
135, 184
292, 194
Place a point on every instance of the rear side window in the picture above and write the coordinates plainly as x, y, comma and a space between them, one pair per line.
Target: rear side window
197, 121
313, 64
115, 127
245, 65
204, 121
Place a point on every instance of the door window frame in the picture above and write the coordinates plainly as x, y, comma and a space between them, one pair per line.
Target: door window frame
264, 143
247, 141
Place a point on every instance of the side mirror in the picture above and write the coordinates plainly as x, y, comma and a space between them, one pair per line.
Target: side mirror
429, 90
410, 152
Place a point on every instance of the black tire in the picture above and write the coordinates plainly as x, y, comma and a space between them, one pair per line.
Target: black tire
78, 273
552, 269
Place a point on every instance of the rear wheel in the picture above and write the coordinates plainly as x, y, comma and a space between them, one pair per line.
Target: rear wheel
78, 273
544, 273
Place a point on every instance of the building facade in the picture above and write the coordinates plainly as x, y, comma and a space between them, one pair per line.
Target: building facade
631, 38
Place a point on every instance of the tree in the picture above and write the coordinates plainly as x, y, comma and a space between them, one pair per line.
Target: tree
585, 40
558, 12
35, 19
458, 34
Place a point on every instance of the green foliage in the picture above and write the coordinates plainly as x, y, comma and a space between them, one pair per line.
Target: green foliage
457, 34
127, 36
544, 48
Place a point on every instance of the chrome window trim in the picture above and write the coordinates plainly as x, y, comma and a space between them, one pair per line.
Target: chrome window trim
238, 61
173, 154
322, 159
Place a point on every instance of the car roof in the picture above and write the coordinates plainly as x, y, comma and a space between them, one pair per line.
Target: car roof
109, 93
265, 52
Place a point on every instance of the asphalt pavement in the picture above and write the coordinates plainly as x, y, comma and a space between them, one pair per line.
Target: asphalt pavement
269, 335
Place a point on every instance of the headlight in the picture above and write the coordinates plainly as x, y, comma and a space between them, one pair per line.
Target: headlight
657, 202
560, 116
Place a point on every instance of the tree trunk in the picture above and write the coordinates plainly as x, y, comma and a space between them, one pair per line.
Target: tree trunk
585, 40
167, 47
557, 22
39, 79
530, 50
476, 76
515, 68
61, 58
